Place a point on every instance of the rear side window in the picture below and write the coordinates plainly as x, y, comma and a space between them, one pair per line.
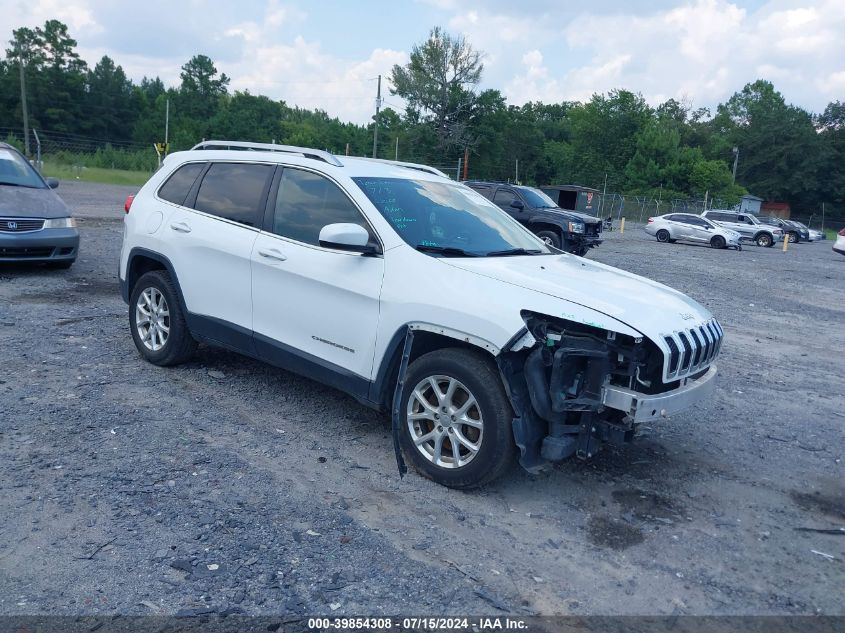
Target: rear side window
180, 182
484, 190
234, 191
307, 202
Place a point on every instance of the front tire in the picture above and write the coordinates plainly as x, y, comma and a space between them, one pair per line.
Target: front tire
663, 236
717, 241
763, 239
549, 237
157, 322
793, 237
456, 423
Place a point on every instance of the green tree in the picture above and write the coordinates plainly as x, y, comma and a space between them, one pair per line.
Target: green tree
779, 146
438, 82
110, 100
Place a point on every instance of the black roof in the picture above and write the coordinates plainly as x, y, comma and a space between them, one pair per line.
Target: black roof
569, 188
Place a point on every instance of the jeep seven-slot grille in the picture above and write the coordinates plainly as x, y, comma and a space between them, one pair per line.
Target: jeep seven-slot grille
692, 350
20, 225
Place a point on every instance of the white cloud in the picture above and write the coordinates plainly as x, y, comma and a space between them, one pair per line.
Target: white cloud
701, 50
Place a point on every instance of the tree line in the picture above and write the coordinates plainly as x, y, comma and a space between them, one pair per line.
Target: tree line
615, 139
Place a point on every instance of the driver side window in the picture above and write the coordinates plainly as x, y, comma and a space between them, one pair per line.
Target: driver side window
306, 202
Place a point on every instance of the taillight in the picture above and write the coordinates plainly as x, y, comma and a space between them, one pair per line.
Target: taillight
128, 204
650, 220
842, 232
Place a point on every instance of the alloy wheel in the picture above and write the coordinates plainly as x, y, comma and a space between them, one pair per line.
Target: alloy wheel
152, 319
445, 421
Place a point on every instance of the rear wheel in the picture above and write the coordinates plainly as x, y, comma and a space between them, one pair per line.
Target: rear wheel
663, 235
456, 420
549, 237
793, 237
157, 323
763, 239
717, 241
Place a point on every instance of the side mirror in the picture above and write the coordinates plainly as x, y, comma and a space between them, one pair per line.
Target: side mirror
52, 182
346, 237
517, 204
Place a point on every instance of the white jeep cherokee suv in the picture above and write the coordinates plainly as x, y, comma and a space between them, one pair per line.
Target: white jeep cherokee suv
414, 294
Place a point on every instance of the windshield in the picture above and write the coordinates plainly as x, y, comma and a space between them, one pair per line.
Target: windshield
16, 171
537, 198
447, 218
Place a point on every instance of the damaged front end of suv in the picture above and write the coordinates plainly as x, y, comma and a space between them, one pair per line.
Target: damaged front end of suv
574, 386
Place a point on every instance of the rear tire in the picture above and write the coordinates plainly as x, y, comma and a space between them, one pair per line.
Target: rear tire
717, 241
469, 388
549, 237
763, 239
663, 236
157, 322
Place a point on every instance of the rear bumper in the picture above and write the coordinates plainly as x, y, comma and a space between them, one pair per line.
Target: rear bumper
644, 407
46, 245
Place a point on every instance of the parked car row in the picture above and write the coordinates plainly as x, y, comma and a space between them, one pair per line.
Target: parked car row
722, 228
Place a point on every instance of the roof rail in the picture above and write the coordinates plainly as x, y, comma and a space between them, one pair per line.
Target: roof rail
399, 163
316, 154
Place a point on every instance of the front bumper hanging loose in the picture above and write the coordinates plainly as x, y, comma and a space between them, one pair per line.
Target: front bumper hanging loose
643, 407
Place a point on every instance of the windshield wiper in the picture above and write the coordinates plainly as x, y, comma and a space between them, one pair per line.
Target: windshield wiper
449, 251
514, 251
16, 184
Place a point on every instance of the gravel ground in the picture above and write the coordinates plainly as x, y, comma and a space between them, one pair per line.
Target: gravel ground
229, 486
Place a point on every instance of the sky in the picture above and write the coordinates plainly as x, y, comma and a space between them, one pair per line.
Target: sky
326, 54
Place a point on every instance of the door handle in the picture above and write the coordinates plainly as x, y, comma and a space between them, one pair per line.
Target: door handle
181, 227
272, 253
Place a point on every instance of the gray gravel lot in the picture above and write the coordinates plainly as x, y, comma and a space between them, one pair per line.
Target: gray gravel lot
127, 488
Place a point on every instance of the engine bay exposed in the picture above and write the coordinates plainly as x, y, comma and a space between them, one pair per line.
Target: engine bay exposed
556, 371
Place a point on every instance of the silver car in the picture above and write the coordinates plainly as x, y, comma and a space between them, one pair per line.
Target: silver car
692, 228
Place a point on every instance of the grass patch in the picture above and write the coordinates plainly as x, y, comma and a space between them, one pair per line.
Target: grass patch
831, 233
95, 174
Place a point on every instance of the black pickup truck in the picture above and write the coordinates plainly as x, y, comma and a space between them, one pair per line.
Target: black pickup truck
567, 230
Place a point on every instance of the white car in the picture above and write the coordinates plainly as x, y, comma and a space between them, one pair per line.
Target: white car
839, 244
414, 294
692, 228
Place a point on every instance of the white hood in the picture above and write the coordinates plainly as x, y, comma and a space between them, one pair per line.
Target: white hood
645, 305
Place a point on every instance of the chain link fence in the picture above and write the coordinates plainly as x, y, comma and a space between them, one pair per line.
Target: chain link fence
80, 152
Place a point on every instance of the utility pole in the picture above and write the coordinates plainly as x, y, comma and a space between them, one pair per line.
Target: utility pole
375, 129
166, 125
604, 195
23, 102
458, 172
736, 160
822, 217
516, 180
396, 153
466, 163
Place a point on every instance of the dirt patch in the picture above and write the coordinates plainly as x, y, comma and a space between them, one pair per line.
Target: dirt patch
79, 291
646, 505
614, 533
832, 505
